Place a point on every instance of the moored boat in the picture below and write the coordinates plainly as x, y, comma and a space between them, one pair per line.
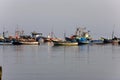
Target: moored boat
30, 43
101, 41
5, 40
81, 36
5, 43
97, 41
65, 43
83, 41
115, 40
25, 40
15, 42
18, 42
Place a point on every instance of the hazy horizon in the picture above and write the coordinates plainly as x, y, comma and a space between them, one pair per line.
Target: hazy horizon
98, 16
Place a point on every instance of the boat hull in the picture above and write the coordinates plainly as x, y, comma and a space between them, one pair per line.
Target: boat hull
25, 43
5, 43
97, 41
83, 42
30, 43
65, 43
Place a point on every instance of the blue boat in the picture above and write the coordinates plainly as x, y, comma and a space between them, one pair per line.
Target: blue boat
83, 40
81, 36
97, 41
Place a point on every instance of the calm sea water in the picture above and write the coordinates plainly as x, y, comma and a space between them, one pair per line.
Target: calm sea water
46, 62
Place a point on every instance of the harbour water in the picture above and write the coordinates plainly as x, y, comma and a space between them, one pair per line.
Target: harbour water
46, 62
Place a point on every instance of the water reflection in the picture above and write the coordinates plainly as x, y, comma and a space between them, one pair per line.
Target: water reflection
85, 62
72, 53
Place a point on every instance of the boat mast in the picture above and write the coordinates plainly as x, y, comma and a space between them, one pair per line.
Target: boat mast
79, 31
4, 31
64, 34
113, 31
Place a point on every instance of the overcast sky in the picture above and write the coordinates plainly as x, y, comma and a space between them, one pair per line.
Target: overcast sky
98, 16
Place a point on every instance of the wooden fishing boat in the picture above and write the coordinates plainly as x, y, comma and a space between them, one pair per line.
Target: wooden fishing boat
25, 43
65, 43
30, 43
72, 38
50, 39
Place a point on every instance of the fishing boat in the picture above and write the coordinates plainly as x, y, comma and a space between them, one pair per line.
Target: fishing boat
101, 41
65, 43
83, 41
72, 38
25, 43
30, 43
115, 40
5, 40
47, 39
5, 43
107, 40
25, 40
83, 36
51, 38
16, 42
97, 41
